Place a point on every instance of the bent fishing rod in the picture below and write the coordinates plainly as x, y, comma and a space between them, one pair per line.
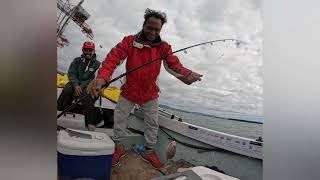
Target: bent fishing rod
138, 67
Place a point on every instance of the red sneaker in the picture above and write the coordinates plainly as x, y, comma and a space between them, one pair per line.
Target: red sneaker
152, 158
118, 154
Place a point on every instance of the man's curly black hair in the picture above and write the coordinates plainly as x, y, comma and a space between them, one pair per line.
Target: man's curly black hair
157, 14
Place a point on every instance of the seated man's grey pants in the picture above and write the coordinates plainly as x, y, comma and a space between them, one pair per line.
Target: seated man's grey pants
121, 114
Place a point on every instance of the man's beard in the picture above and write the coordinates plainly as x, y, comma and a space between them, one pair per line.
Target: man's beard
88, 56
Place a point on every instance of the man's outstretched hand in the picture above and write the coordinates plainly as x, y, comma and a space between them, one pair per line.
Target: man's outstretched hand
94, 87
193, 77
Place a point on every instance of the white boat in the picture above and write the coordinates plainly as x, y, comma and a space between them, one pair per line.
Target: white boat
237, 156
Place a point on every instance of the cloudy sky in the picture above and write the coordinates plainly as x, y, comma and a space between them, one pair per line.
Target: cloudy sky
232, 80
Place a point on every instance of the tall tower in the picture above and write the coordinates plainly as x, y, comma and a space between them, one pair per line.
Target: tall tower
67, 12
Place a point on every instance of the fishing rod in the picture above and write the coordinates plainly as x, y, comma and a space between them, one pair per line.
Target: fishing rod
142, 65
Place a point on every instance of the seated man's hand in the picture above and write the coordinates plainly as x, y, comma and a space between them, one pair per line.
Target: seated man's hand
194, 77
94, 88
77, 91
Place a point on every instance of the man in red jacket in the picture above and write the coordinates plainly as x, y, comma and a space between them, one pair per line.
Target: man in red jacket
141, 85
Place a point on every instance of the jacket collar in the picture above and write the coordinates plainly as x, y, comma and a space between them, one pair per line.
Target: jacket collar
140, 40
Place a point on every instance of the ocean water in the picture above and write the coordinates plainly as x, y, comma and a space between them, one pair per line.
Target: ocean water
239, 128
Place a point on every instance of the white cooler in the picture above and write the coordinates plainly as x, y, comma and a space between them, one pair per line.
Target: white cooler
84, 155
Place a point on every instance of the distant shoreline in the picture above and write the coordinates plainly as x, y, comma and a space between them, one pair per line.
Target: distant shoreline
209, 115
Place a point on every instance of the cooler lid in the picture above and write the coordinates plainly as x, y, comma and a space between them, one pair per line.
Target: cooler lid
77, 142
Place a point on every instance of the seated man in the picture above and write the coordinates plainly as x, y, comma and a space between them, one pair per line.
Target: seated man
81, 72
